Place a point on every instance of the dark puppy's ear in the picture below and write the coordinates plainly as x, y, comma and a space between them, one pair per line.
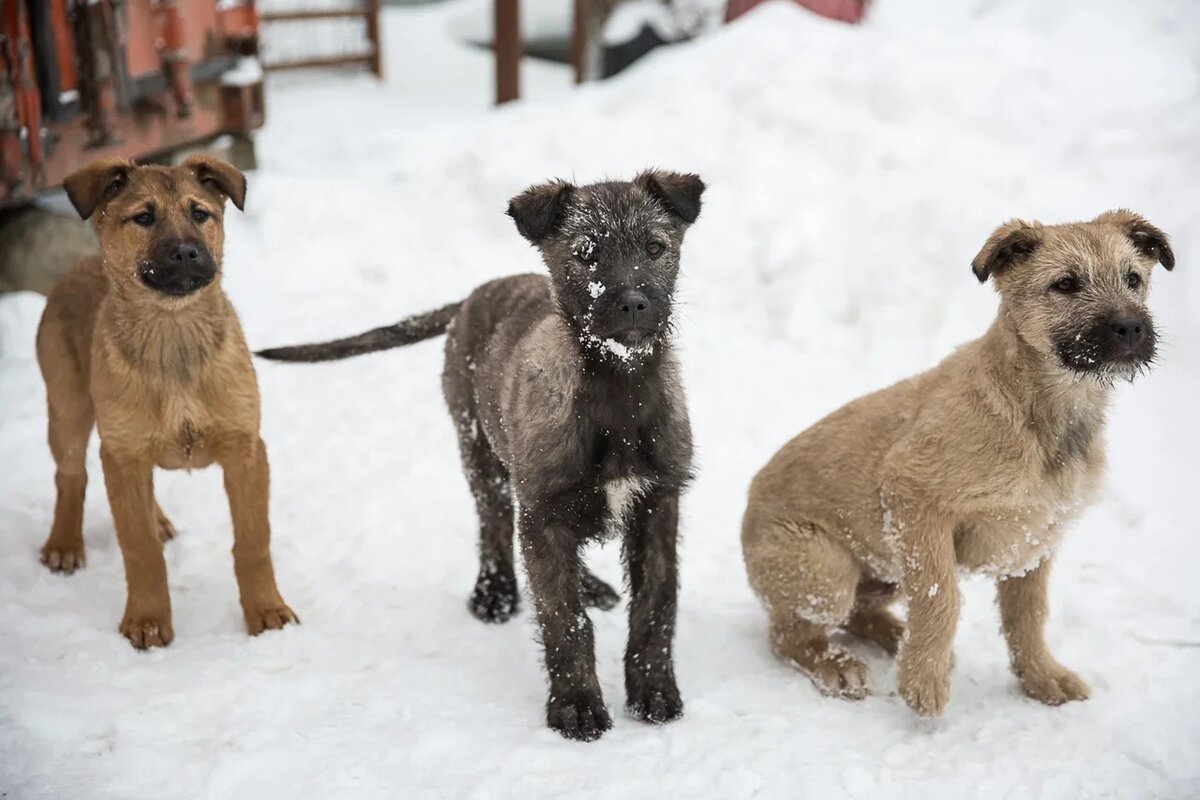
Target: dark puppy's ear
1011, 243
680, 193
1149, 240
539, 210
97, 183
218, 176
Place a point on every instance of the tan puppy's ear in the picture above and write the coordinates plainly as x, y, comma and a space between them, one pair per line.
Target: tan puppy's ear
219, 176
97, 183
680, 193
1149, 240
539, 209
1011, 243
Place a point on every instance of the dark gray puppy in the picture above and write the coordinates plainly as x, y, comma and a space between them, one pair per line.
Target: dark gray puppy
568, 403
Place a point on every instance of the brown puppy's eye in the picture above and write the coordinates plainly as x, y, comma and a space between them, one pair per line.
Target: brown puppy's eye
654, 249
199, 214
145, 219
1066, 285
1133, 280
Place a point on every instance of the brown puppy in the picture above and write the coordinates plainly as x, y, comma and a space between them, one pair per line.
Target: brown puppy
979, 464
141, 341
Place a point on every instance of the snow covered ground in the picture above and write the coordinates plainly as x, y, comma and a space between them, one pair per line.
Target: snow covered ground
853, 174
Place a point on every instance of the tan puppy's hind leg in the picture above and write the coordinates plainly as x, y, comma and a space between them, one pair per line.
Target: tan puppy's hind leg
807, 583
1023, 612
872, 621
835, 672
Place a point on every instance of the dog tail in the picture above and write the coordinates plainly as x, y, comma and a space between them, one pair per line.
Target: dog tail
407, 331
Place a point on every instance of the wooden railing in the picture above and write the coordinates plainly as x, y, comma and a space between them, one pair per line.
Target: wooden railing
368, 14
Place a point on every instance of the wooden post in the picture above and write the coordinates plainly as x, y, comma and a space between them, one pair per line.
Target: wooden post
579, 36
373, 37
506, 40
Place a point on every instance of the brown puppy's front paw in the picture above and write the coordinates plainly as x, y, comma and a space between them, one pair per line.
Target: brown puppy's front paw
63, 558
838, 674
580, 716
146, 631
926, 690
1053, 684
271, 617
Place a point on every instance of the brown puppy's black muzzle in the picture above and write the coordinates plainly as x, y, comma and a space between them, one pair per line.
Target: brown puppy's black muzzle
179, 268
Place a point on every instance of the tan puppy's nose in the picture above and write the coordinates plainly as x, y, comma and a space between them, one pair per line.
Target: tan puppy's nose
1128, 330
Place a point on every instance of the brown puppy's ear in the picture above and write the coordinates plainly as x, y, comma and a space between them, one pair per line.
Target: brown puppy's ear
680, 193
1011, 243
1149, 240
97, 183
539, 209
219, 176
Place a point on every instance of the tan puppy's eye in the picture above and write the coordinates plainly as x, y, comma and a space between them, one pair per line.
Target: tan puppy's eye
145, 218
199, 214
654, 249
1133, 280
1067, 284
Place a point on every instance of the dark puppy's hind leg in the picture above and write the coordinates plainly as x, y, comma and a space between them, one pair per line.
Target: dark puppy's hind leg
597, 593
495, 597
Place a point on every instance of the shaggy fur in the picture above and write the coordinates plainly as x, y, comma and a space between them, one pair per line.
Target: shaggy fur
142, 342
978, 464
571, 419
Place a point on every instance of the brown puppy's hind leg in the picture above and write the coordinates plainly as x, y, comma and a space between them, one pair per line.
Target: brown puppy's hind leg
166, 531
71, 420
808, 583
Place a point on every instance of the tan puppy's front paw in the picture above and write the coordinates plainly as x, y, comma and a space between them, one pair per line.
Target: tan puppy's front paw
1053, 684
926, 690
146, 631
166, 531
272, 618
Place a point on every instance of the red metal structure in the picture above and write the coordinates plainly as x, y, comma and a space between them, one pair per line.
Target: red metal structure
86, 79
844, 10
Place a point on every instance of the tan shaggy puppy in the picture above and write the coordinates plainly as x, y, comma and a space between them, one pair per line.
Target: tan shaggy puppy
141, 341
978, 464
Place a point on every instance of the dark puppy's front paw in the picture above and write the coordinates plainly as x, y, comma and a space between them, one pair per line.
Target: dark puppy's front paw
495, 597
598, 594
579, 716
655, 703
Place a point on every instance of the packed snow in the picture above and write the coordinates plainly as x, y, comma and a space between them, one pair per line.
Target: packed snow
853, 173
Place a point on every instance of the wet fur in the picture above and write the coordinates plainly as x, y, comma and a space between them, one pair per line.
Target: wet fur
977, 464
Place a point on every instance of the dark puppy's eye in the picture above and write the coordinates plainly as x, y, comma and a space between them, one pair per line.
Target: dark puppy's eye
586, 251
145, 219
199, 214
1133, 280
654, 249
1066, 285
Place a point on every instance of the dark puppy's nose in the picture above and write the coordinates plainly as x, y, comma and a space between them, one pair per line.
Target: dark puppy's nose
635, 308
1128, 330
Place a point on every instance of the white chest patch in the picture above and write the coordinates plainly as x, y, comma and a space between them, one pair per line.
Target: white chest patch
620, 494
